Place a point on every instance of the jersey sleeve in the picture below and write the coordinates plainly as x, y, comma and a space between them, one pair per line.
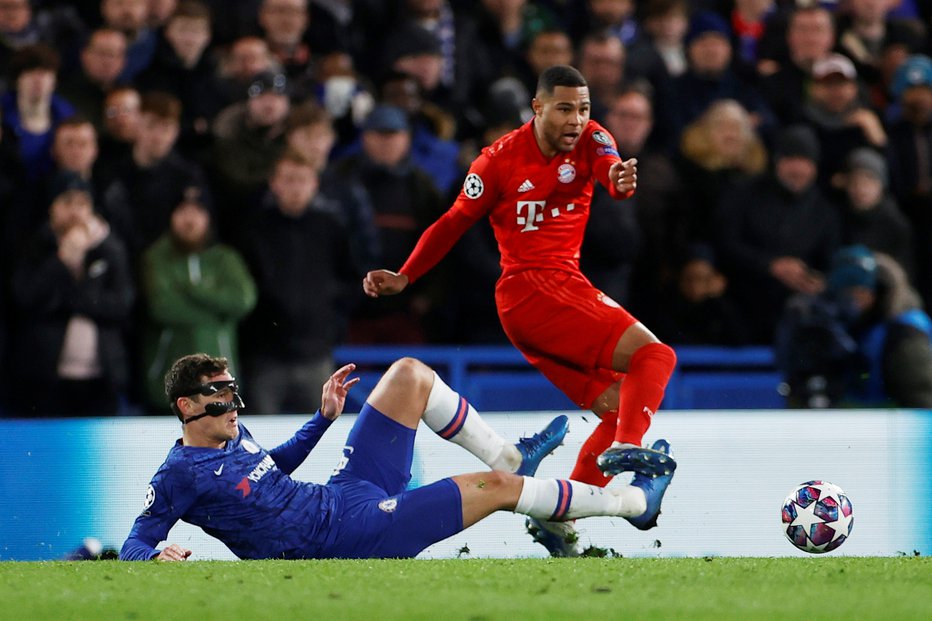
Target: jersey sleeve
605, 154
292, 452
476, 198
169, 495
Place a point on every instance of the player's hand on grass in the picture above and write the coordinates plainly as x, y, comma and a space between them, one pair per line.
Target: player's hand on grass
335, 390
624, 175
383, 282
174, 552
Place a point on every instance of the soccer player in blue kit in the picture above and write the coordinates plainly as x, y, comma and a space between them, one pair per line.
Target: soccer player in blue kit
217, 477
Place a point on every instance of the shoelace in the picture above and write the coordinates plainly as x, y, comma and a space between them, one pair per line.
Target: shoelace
535, 441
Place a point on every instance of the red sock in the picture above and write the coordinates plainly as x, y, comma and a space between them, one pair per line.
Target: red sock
586, 471
642, 390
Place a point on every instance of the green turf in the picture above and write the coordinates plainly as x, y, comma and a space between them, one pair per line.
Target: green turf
588, 589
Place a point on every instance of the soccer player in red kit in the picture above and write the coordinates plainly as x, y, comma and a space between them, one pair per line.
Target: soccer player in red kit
535, 185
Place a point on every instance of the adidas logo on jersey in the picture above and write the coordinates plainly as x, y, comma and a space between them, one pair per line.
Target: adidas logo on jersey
527, 185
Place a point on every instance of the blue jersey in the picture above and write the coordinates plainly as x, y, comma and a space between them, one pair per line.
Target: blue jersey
242, 495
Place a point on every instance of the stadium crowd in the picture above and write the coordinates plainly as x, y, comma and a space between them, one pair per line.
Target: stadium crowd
216, 176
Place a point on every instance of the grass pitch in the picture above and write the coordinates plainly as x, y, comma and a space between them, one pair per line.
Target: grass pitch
586, 589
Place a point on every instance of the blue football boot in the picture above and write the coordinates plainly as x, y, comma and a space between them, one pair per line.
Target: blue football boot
540, 445
649, 462
654, 488
560, 538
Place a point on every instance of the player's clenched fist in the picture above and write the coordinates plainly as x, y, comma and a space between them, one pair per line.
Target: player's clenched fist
383, 282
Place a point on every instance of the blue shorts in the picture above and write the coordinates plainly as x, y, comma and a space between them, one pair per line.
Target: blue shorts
379, 518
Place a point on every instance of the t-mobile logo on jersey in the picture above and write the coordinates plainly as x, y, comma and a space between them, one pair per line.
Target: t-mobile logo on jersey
532, 212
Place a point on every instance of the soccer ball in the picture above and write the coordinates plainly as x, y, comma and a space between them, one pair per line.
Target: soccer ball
817, 517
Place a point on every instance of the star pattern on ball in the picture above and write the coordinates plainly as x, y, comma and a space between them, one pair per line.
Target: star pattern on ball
806, 517
842, 525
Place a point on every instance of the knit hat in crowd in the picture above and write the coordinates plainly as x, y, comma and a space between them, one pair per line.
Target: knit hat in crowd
707, 22
411, 40
797, 141
869, 160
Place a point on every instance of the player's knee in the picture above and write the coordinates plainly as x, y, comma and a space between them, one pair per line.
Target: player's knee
410, 373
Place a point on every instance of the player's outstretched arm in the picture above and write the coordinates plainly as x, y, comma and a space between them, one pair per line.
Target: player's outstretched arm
174, 552
383, 282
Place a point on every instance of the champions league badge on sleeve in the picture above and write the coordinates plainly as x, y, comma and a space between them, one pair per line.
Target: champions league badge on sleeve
601, 137
473, 186
150, 499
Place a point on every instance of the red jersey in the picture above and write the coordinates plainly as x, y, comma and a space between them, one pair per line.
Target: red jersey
538, 207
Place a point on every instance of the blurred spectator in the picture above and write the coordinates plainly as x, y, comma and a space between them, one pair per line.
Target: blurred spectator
613, 238
288, 340
344, 93
601, 59
147, 185
910, 154
196, 292
506, 28
22, 24
710, 77
869, 215
249, 137
160, 11
309, 132
547, 48
810, 37
284, 24
616, 16
183, 67
665, 24
865, 342
865, 28
440, 47
406, 201
32, 109
102, 60
121, 119
438, 157
247, 57
73, 293
836, 111
74, 152
659, 199
718, 152
777, 233
131, 17
748, 20
696, 308
16, 200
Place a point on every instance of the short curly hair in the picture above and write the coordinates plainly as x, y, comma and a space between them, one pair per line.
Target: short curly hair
184, 376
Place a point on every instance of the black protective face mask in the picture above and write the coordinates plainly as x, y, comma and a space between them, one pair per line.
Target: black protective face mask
218, 408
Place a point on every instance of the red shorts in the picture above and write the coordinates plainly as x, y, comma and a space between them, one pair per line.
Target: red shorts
565, 327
